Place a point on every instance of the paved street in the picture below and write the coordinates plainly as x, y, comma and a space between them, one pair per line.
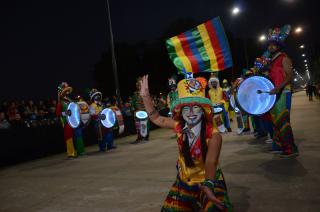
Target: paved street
138, 177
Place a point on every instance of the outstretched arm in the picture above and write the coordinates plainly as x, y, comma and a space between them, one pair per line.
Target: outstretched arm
153, 114
212, 159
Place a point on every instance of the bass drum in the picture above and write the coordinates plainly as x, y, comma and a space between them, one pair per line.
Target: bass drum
250, 101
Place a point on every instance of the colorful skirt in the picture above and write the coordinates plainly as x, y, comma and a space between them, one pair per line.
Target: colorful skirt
280, 116
183, 197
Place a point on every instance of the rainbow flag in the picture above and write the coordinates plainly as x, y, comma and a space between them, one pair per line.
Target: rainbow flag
204, 48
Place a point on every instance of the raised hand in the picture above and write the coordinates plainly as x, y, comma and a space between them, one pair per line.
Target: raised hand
144, 87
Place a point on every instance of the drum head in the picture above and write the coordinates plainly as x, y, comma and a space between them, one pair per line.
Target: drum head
141, 114
248, 98
110, 118
217, 110
73, 118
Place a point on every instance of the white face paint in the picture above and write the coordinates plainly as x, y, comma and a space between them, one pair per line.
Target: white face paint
192, 115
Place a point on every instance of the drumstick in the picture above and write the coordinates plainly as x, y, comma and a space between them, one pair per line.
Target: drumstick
260, 91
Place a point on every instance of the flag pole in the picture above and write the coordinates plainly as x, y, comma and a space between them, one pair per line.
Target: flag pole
113, 55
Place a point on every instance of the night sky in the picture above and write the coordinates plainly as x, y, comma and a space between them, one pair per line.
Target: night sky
45, 42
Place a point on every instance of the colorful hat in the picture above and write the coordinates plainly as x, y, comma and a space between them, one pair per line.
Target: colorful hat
225, 81
279, 35
192, 92
64, 88
94, 92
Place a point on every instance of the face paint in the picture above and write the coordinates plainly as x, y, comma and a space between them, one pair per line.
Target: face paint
192, 114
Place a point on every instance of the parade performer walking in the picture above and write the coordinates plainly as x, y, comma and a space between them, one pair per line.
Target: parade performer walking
227, 95
216, 96
63, 100
137, 104
104, 135
77, 135
200, 183
281, 75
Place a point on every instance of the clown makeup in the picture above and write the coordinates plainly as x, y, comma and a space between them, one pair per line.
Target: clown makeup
192, 114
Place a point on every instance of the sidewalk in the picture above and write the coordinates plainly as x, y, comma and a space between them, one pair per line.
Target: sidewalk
138, 177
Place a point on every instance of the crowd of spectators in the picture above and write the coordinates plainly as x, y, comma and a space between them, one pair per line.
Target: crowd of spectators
20, 113
27, 113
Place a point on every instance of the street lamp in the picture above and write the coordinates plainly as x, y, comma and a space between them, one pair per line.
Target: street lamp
305, 61
302, 47
298, 30
235, 11
303, 55
262, 38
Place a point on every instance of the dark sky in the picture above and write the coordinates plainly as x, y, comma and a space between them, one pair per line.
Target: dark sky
45, 42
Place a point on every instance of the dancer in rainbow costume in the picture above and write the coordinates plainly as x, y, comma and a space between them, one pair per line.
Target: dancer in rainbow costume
200, 184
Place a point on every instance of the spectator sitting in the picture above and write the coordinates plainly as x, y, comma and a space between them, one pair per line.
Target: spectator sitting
4, 124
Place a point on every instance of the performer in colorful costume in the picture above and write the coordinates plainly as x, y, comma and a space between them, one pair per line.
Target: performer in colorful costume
281, 75
104, 135
227, 95
200, 182
137, 104
63, 100
78, 138
216, 95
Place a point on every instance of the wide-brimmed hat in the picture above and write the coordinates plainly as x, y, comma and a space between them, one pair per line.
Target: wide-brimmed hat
64, 88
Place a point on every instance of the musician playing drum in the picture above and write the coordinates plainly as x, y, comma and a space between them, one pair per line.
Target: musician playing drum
215, 94
63, 100
104, 135
281, 75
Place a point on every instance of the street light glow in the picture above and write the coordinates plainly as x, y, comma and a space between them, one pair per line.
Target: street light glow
298, 30
262, 38
235, 10
303, 55
302, 47
305, 61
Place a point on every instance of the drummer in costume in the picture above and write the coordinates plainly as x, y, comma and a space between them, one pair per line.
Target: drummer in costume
78, 138
227, 95
281, 74
216, 95
104, 140
137, 104
200, 184
63, 100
